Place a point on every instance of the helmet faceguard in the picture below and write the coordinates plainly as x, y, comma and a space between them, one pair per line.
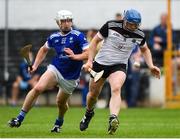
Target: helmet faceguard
132, 19
64, 20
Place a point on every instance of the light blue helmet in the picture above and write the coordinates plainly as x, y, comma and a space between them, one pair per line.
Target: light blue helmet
132, 16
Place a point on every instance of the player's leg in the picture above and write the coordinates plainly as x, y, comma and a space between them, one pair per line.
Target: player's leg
47, 80
94, 91
67, 88
33, 81
116, 81
62, 103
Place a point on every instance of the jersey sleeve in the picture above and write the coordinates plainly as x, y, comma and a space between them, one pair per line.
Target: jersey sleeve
104, 30
49, 42
142, 42
83, 41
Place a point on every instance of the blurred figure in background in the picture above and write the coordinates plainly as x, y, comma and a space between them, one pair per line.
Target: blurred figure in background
24, 81
71, 49
132, 82
90, 34
118, 16
158, 40
84, 80
119, 39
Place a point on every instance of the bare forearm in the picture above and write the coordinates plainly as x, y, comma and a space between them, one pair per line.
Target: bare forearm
93, 47
82, 56
92, 52
148, 57
40, 56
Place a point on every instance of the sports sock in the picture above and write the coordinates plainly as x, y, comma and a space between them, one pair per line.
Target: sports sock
59, 121
21, 115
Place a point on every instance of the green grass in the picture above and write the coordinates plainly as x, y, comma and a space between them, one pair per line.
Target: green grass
133, 123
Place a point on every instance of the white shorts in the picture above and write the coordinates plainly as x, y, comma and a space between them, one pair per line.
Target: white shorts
67, 85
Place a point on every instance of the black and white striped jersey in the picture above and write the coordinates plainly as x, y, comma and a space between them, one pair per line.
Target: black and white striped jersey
118, 43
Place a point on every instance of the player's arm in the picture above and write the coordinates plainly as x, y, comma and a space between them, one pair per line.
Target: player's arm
82, 56
92, 51
148, 58
147, 55
103, 33
40, 56
93, 47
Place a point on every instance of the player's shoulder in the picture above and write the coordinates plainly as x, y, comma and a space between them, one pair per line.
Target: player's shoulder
54, 35
76, 32
114, 23
140, 33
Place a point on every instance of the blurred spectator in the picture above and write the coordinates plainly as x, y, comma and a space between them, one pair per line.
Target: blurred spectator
158, 40
23, 81
132, 83
176, 70
90, 34
118, 16
85, 86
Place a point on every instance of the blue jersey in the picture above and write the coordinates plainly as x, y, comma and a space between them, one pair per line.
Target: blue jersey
76, 41
23, 69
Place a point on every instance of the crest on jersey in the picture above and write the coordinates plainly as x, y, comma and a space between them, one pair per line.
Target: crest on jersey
71, 40
63, 41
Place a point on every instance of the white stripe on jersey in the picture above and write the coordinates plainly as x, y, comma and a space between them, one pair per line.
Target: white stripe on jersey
85, 46
77, 33
54, 35
47, 45
139, 32
114, 24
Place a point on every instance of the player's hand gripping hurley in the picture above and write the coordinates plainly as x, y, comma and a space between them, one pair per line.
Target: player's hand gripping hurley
96, 75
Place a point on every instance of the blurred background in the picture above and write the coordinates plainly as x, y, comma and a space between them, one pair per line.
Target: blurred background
25, 22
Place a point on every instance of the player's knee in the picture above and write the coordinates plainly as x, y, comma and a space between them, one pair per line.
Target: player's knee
94, 92
61, 104
15, 85
39, 88
116, 91
92, 96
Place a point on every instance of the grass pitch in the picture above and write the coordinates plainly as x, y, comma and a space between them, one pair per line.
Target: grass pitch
133, 123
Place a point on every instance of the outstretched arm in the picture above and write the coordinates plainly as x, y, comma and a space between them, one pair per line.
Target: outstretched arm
39, 57
82, 56
148, 58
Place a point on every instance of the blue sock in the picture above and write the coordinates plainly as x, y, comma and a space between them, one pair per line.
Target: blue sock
59, 121
21, 115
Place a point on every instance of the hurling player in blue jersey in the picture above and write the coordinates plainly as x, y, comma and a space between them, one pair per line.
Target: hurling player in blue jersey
71, 49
